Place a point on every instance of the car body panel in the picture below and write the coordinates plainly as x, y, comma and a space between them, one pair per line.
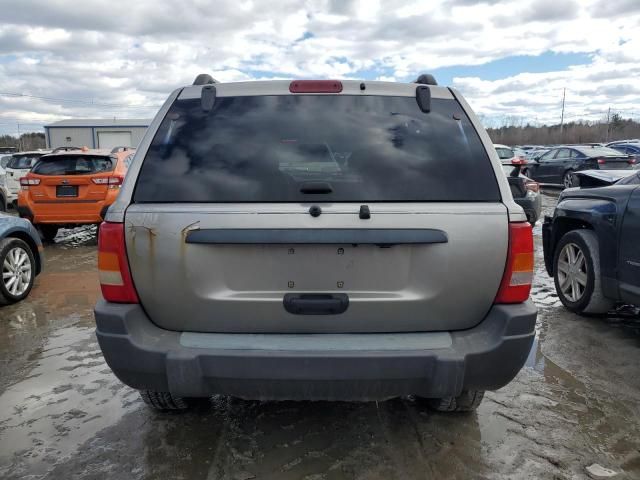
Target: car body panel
220, 285
629, 259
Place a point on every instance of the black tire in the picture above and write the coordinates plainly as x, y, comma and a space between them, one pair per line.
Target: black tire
48, 232
7, 245
163, 401
591, 300
567, 179
3, 204
468, 401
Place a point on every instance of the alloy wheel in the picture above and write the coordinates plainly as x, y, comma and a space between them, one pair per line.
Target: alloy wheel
16, 271
572, 272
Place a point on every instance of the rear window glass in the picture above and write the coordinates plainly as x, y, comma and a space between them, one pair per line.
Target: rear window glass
21, 162
73, 165
352, 148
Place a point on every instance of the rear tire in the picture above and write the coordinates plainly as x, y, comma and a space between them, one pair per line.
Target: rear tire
567, 179
163, 401
468, 401
589, 299
48, 232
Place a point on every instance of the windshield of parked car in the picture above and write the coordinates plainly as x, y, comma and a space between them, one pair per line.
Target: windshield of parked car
72, 165
339, 148
22, 162
599, 151
4, 160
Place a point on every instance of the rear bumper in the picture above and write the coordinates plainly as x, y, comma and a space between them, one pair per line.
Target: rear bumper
274, 366
65, 212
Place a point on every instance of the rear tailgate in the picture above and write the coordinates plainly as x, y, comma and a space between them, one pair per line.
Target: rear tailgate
407, 231
241, 287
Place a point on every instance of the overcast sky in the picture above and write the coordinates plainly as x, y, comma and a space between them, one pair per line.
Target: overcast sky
511, 59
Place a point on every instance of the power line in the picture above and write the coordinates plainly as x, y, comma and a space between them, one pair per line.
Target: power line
76, 101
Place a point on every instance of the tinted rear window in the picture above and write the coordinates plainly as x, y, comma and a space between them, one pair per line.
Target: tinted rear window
73, 165
20, 162
268, 148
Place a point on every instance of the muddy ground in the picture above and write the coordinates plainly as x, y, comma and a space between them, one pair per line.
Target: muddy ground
64, 415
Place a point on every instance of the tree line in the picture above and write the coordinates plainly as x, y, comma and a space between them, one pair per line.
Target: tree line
617, 128
26, 141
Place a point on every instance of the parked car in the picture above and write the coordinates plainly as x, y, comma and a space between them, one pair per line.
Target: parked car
508, 154
17, 167
591, 245
525, 191
629, 149
20, 258
618, 142
235, 263
4, 159
558, 164
8, 150
72, 187
534, 154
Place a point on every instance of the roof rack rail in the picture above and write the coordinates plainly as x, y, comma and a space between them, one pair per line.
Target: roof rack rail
121, 149
65, 149
426, 79
204, 79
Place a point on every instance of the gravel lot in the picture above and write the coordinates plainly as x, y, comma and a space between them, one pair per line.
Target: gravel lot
64, 415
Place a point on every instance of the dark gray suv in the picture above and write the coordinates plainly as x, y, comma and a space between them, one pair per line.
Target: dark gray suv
315, 240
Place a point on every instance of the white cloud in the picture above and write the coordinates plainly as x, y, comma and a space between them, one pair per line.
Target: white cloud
125, 57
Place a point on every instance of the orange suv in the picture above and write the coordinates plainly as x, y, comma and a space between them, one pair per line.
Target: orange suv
71, 187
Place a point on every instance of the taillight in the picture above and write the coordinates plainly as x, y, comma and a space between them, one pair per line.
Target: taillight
113, 268
518, 161
532, 186
111, 182
315, 86
601, 161
28, 182
518, 272
632, 160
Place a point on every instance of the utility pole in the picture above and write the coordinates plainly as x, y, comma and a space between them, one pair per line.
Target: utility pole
19, 139
608, 123
564, 92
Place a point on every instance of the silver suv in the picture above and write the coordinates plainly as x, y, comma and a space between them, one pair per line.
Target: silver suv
336, 240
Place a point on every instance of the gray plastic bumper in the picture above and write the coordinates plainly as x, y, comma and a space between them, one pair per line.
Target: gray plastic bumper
314, 367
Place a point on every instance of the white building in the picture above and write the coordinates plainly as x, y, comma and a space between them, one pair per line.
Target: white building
95, 133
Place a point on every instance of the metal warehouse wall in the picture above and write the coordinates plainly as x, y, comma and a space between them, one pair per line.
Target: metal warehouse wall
87, 136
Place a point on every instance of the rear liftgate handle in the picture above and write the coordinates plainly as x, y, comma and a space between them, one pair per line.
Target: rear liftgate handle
316, 303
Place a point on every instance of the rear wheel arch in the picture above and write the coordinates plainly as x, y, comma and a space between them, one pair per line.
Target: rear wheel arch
562, 226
